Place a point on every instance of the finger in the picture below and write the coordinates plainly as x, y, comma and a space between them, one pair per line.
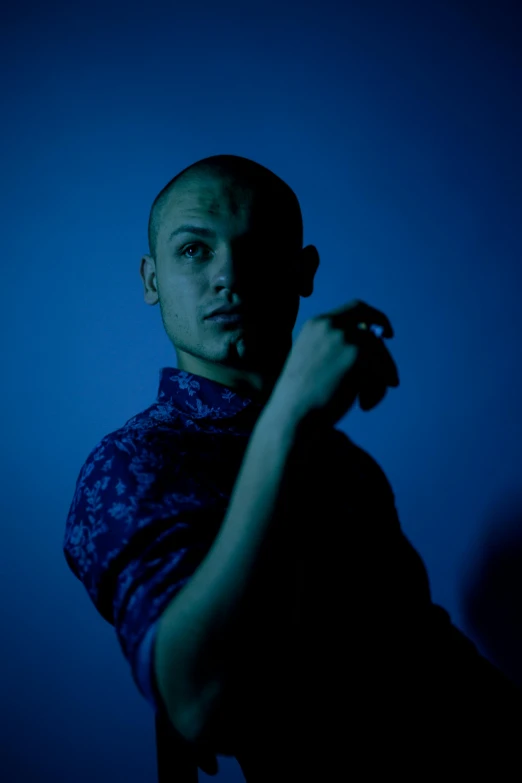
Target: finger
371, 395
390, 368
371, 315
375, 361
376, 330
357, 312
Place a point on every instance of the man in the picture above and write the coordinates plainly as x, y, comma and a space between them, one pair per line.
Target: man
247, 552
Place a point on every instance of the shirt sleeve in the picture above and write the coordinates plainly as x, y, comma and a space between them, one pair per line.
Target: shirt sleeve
136, 531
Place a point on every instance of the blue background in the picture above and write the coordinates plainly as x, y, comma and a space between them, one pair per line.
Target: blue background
398, 125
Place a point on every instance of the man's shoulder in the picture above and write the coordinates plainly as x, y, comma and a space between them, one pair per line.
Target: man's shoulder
140, 437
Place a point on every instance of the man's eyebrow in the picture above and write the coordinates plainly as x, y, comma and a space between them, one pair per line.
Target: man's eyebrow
185, 229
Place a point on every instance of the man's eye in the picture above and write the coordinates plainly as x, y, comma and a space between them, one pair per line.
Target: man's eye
189, 247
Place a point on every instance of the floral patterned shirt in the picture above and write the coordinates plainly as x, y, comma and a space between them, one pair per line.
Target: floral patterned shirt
149, 501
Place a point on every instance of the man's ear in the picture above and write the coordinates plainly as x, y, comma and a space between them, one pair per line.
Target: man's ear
148, 276
308, 266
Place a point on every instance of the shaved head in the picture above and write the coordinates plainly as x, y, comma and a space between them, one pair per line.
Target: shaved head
240, 173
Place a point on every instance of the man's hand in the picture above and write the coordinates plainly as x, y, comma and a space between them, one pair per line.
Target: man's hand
335, 358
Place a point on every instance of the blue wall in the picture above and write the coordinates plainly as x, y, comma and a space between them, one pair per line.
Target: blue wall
399, 128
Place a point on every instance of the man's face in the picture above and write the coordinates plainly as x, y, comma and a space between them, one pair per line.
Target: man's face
248, 259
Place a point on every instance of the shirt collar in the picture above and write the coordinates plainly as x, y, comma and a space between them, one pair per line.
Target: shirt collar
200, 397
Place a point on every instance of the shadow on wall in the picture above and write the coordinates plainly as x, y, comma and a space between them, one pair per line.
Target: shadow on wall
492, 592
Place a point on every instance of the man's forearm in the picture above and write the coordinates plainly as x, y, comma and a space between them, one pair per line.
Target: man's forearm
198, 627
